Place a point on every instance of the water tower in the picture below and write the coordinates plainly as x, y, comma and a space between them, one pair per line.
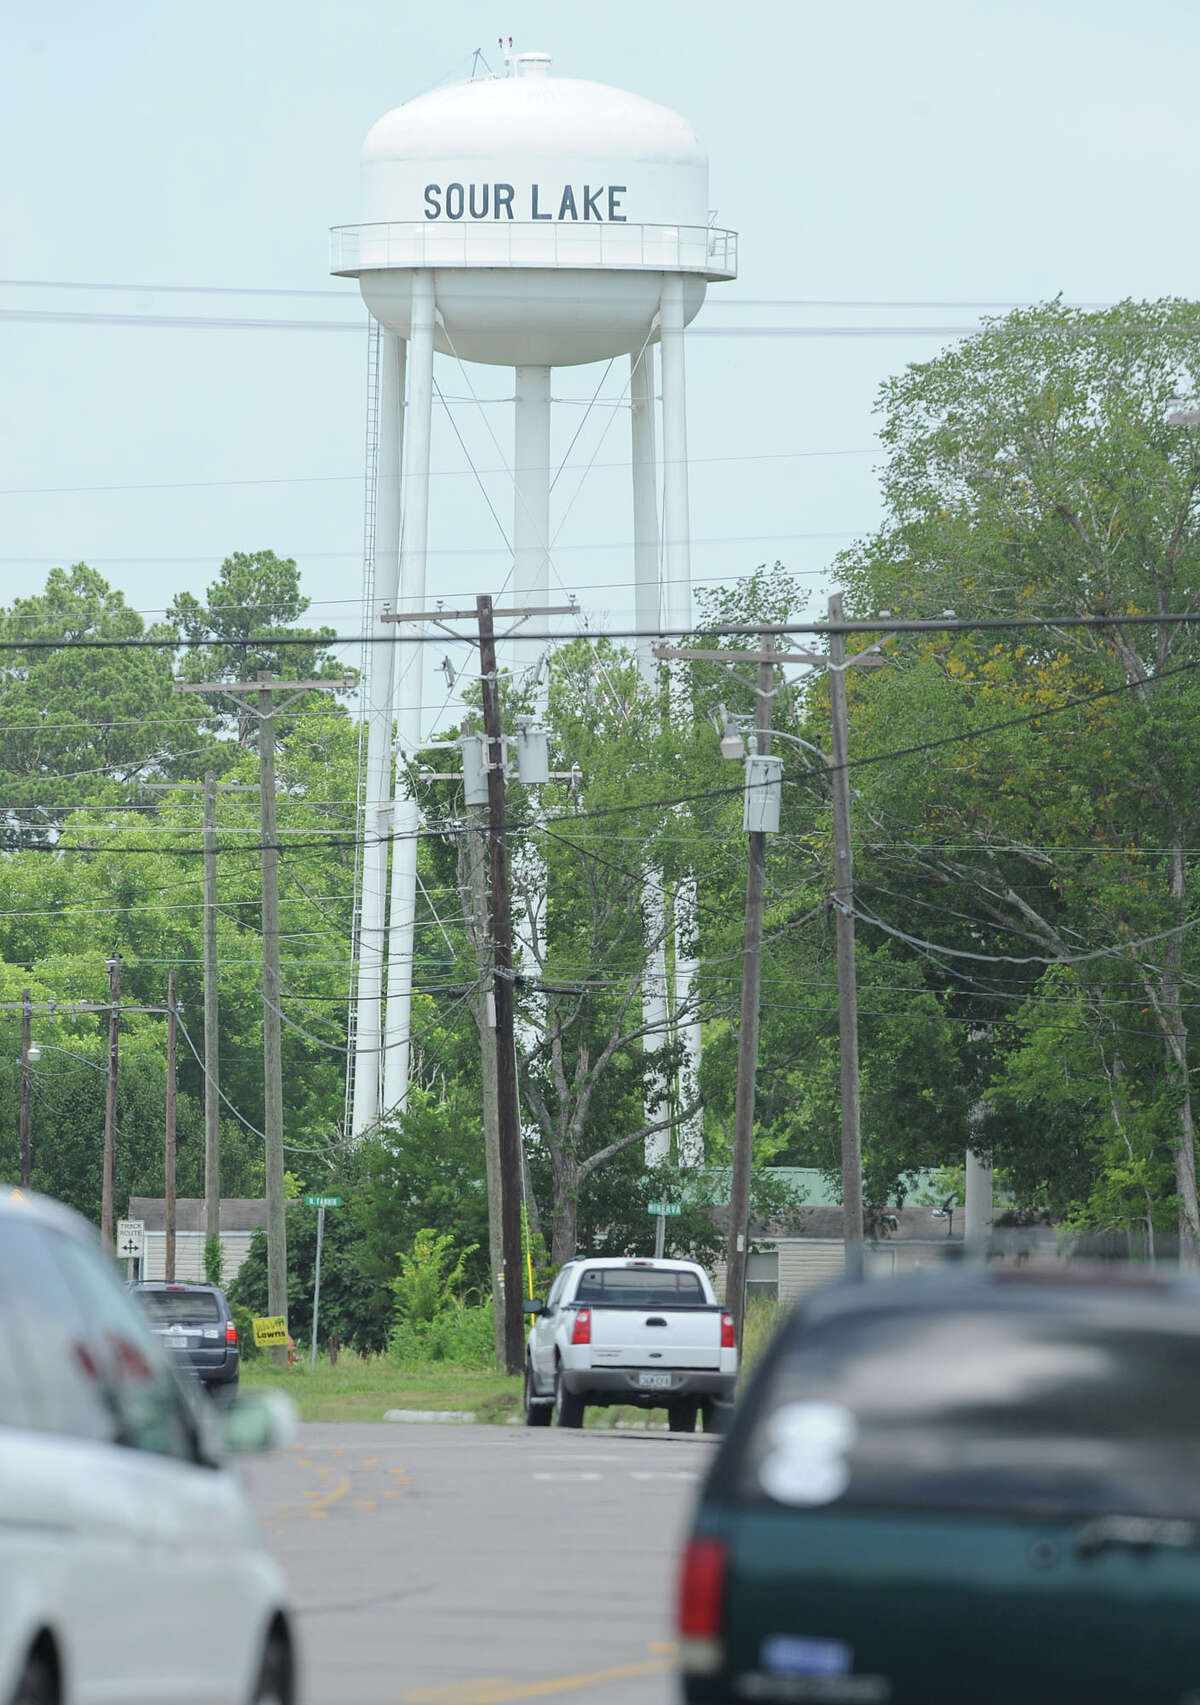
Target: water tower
525, 221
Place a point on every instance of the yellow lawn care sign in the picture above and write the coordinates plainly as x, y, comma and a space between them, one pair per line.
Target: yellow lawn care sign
270, 1330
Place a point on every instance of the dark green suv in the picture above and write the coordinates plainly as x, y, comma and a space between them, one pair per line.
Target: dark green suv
195, 1325
959, 1489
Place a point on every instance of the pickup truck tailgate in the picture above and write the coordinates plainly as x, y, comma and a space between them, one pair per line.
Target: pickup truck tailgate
656, 1337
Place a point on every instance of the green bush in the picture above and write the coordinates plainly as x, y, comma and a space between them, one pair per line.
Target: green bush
763, 1315
244, 1321
433, 1322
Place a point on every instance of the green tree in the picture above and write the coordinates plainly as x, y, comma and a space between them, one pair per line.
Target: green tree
1032, 471
83, 727
253, 604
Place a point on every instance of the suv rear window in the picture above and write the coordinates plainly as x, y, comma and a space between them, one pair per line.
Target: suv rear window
179, 1305
1019, 1411
639, 1287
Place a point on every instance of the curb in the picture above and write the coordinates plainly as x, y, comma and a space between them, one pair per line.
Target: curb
429, 1415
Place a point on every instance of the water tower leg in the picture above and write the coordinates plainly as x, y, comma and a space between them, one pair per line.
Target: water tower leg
385, 573
645, 567
531, 519
645, 509
410, 670
531, 588
677, 572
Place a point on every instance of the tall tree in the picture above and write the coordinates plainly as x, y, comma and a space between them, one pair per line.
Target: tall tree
254, 602
82, 726
1034, 471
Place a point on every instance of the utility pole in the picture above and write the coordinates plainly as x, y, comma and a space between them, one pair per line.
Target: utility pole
473, 878
843, 895
836, 664
169, 1168
212, 1062
747, 1055
272, 1039
510, 1160
265, 688
507, 1103
110, 1103
26, 1153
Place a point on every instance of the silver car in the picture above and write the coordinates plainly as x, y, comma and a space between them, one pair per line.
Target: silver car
131, 1568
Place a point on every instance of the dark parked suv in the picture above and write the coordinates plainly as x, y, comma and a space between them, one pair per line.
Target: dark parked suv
959, 1487
195, 1323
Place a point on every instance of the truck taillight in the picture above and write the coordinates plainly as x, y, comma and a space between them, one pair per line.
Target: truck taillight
581, 1332
700, 1610
728, 1342
230, 1332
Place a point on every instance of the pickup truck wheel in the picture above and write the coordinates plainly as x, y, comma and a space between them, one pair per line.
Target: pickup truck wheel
536, 1414
681, 1416
36, 1686
712, 1415
568, 1409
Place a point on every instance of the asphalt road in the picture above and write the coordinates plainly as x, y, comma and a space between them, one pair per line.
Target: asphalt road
469, 1565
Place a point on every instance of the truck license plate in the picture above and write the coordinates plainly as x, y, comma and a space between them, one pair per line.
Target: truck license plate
654, 1381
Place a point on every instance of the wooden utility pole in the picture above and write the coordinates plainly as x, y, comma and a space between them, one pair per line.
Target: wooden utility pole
212, 1062
26, 1152
473, 879
507, 1103
836, 663
747, 1055
272, 1038
110, 1103
509, 1154
169, 1161
265, 688
843, 895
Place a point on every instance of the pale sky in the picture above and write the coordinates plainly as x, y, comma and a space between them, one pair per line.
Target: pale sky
932, 153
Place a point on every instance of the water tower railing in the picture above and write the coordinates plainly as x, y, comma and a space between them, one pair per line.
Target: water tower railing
476, 243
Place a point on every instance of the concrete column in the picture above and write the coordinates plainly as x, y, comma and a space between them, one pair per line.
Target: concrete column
409, 676
645, 508
531, 493
677, 602
677, 555
977, 1210
648, 613
385, 574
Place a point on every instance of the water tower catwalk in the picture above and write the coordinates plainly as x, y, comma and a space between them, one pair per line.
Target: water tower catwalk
526, 221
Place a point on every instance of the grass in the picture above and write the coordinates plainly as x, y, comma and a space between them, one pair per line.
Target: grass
363, 1388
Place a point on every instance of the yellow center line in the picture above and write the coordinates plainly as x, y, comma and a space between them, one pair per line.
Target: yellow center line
334, 1493
497, 1690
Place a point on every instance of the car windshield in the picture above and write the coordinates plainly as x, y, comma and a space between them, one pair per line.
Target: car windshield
639, 1287
180, 1305
1020, 1411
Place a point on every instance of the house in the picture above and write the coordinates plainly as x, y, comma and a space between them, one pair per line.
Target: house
241, 1217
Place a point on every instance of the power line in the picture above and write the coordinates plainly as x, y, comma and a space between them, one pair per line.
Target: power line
866, 625
435, 473
230, 322
721, 300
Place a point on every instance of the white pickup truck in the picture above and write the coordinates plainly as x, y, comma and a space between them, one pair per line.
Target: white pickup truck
616, 1330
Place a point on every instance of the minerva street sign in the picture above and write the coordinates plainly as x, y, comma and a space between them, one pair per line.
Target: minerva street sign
322, 1201
664, 1208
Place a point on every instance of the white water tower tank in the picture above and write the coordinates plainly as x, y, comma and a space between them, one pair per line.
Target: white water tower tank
532, 222
502, 185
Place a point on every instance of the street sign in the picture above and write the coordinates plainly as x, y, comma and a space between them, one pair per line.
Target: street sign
272, 1329
322, 1201
130, 1237
665, 1208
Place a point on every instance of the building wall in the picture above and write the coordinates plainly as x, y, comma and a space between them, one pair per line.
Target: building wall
189, 1255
